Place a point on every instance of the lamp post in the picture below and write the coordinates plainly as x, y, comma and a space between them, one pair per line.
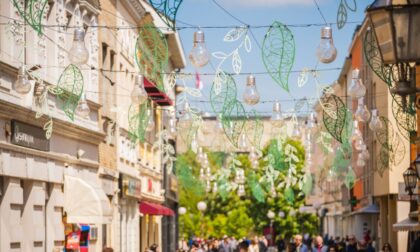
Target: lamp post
201, 206
410, 181
182, 211
271, 215
395, 25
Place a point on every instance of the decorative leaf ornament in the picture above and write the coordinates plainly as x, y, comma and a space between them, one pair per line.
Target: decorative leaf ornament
254, 128
233, 121
406, 119
278, 53
167, 10
69, 89
342, 11
307, 183
32, 11
335, 120
256, 189
152, 55
138, 119
303, 77
350, 178
168, 150
223, 92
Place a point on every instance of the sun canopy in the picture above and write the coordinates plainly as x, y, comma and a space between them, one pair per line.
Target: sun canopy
155, 209
406, 225
85, 203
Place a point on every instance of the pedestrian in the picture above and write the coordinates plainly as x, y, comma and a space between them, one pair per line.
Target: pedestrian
332, 248
416, 245
352, 244
254, 247
387, 247
281, 245
262, 244
362, 246
225, 245
243, 246
154, 248
319, 245
299, 246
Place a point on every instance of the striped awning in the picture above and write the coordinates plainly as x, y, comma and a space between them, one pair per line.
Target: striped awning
406, 225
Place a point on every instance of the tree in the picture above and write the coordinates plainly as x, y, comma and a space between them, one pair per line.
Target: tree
282, 163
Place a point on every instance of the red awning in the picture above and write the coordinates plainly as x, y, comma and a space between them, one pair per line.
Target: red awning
155, 209
156, 95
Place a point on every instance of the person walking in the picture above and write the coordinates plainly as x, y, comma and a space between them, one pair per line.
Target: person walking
225, 245
281, 244
299, 246
319, 245
387, 247
254, 247
352, 244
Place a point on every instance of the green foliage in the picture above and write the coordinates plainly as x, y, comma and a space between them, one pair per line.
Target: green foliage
229, 214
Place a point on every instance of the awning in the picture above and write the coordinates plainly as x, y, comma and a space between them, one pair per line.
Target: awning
85, 203
155, 209
406, 225
370, 209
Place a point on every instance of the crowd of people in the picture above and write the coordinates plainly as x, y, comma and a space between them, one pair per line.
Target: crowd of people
298, 243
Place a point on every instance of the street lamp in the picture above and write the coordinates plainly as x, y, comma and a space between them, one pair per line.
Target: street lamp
395, 25
410, 180
417, 164
201, 206
182, 211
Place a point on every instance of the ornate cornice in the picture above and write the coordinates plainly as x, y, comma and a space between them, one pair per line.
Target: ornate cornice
135, 8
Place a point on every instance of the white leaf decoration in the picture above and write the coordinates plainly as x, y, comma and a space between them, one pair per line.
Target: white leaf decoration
247, 44
193, 91
235, 34
220, 55
303, 77
236, 62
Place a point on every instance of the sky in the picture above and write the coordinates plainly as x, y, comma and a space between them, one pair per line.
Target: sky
206, 13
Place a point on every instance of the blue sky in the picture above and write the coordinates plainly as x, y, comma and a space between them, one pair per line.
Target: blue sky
264, 12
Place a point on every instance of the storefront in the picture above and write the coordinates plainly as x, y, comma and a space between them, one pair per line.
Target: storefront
130, 188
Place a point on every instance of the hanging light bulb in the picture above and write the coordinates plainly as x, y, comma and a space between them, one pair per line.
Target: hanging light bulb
359, 144
242, 144
296, 134
255, 164
241, 190
365, 153
194, 143
82, 108
311, 122
200, 155
360, 161
172, 126
151, 123
356, 89
362, 113
208, 186
186, 119
251, 95
202, 176
375, 123
139, 94
273, 192
215, 187
22, 85
356, 134
199, 56
219, 125
326, 51
78, 54
277, 116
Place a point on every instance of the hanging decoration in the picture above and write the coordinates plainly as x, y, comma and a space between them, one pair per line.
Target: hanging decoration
69, 89
152, 54
278, 53
138, 120
303, 77
254, 128
335, 119
167, 10
168, 150
350, 178
342, 12
233, 121
223, 92
32, 12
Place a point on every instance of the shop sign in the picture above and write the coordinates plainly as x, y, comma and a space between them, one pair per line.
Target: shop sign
173, 182
29, 136
132, 187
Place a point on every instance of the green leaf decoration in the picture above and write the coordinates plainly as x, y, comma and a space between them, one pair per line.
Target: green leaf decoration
256, 189
254, 128
307, 184
350, 178
289, 194
233, 121
352, 6
223, 92
187, 179
138, 120
275, 151
383, 161
385, 135
278, 53
32, 12
69, 89
167, 10
335, 120
341, 15
406, 119
152, 54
